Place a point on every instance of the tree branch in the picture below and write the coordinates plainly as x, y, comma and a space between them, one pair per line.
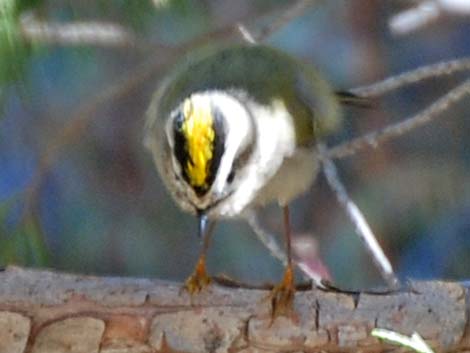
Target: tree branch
278, 20
373, 139
443, 68
43, 311
356, 217
426, 12
77, 33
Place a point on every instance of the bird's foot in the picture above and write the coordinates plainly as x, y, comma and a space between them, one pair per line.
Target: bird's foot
199, 279
282, 296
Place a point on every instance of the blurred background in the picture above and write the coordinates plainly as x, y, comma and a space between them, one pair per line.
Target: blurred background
78, 192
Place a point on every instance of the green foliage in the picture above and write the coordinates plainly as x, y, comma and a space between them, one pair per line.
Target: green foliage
7, 253
14, 51
22, 243
30, 230
23, 5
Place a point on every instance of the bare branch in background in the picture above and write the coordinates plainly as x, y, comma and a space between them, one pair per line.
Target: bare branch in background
460, 7
422, 73
363, 229
160, 3
283, 18
266, 238
374, 138
306, 253
246, 35
76, 33
412, 19
425, 13
279, 18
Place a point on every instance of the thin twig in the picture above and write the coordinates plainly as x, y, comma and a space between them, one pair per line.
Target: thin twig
283, 18
373, 139
268, 239
363, 230
424, 72
409, 20
426, 12
246, 35
279, 19
77, 33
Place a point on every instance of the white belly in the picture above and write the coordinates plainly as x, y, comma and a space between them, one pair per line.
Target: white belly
293, 178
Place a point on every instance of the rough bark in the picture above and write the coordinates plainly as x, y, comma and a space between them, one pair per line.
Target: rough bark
49, 312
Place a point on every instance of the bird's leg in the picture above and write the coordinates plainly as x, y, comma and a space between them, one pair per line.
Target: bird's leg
282, 295
199, 279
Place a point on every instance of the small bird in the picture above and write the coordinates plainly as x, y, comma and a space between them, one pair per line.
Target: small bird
234, 128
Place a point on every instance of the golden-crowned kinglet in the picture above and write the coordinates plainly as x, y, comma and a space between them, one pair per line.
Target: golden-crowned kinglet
234, 128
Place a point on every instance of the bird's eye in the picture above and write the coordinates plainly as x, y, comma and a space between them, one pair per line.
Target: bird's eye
231, 176
178, 122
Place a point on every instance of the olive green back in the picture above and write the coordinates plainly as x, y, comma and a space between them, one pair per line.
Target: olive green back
265, 74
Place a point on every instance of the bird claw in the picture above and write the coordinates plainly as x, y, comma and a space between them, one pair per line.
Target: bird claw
196, 283
198, 280
282, 297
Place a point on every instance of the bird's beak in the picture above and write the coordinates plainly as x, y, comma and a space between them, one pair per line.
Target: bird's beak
202, 219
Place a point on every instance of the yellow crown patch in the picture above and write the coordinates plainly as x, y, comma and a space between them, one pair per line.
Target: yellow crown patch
199, 132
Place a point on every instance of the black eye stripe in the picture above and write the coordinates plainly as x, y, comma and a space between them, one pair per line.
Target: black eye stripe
231, 176
180, 145
240, 160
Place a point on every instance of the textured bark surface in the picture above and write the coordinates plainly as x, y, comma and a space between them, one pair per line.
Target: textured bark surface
44, 311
